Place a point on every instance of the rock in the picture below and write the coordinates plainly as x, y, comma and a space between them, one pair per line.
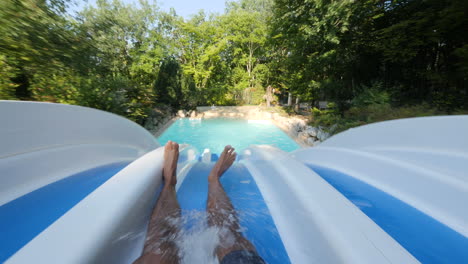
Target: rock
297, 126
292, 131
322, 135
303, 136
312, 131
181, 113
311, 141
267, 115
157, 118
298, 122
193, 114
211, 114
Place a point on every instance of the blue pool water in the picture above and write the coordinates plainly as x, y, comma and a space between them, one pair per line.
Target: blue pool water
217, 132
430, 241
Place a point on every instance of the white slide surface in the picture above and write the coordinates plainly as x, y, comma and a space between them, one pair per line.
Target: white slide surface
421, 161
43, 143
316, 223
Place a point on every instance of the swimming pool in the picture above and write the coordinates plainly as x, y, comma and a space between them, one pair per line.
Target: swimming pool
217, 132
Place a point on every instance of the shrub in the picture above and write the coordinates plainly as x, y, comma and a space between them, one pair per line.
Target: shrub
7, 87
332, 121
325, 118
371, 95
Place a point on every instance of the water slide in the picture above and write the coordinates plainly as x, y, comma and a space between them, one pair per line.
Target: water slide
78, 186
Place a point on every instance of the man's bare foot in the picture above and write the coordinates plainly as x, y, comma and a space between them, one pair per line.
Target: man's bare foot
171, 156
224, 162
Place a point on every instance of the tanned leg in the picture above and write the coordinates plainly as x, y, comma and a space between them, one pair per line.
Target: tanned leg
160, 244
221, 213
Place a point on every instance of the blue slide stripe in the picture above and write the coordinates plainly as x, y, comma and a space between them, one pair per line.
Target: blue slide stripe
246, 198
427, 239
27, 216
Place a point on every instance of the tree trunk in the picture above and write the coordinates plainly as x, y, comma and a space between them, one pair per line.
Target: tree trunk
269, 95
296, 107
289, 99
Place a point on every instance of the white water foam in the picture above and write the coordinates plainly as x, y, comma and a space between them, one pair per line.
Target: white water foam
198, 243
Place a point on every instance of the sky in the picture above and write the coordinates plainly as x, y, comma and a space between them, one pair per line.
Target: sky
184, 8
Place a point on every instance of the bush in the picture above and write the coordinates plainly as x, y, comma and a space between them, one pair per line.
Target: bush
372, 95
56, 86
371, 105
289, 110
7, 87
118, 95
257, 95
334, 122
325, 118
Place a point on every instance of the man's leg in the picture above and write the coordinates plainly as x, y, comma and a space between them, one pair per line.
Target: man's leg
160, 244
221, 213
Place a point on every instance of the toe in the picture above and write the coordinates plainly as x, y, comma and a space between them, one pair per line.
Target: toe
225, 151
229, 152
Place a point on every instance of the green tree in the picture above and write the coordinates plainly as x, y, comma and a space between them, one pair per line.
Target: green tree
7, 87
415, 48
34, 39
246, 24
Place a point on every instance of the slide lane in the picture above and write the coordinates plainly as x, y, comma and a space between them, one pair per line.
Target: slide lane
27, 216
240, 186
429, 240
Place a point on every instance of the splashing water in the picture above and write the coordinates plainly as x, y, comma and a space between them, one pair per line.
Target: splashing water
255, 221
196, 241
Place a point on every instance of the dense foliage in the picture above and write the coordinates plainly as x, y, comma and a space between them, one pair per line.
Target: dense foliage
128, 58
415, 49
